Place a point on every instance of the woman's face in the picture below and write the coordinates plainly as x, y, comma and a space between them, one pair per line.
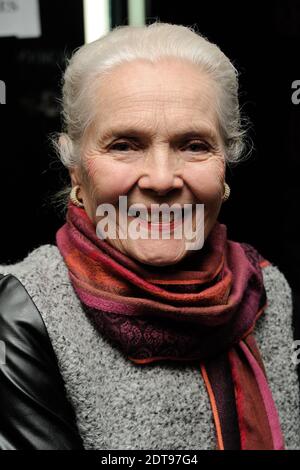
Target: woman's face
156, 140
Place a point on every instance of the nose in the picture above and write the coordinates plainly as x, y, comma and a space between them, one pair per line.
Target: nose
161, 173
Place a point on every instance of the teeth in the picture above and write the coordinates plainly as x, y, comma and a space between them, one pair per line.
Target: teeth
160, 220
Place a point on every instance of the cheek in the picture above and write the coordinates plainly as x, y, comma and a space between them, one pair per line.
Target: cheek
207, 182
108, 180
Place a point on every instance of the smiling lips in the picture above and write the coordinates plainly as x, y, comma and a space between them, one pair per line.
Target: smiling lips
173, 220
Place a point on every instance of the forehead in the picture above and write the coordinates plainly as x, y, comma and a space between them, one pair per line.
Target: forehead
168, 90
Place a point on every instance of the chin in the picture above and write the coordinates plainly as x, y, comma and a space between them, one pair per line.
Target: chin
158, 259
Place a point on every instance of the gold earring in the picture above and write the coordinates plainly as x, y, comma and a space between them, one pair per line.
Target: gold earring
226, 192
73, 196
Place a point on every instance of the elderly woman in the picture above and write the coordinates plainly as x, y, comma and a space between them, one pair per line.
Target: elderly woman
126, 334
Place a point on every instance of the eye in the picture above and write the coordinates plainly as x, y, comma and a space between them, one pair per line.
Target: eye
122, 146
197, 146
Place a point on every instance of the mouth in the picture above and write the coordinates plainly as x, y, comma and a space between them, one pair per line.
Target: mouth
160, 220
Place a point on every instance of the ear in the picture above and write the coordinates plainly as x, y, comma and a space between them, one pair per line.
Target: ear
75, 176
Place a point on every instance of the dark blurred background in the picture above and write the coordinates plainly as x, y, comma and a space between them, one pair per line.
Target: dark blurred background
263, 41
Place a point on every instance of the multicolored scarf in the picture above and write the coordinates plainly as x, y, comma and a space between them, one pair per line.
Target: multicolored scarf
201, 310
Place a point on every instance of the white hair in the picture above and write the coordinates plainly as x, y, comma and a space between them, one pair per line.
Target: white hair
152, 42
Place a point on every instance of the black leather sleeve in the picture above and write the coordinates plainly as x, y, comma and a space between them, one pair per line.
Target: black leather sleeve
34, 410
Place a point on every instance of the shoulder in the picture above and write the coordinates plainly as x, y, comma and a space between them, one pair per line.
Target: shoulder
275, 335
277, 287
38, 261
275, 326
44, 275
26, 354
279, 310
39, 272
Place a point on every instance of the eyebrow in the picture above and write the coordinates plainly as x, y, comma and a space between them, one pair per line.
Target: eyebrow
132, 132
